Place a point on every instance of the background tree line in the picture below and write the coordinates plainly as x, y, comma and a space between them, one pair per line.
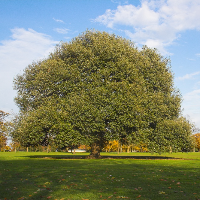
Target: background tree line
111, 146
3, 131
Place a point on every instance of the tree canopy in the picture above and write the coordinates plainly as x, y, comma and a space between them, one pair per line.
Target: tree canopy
96, 88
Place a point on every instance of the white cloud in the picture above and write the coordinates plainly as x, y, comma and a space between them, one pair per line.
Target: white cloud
188, 76
61, 30
22, 49
156, 23
195, 94
129, 15
58, 20
197, 54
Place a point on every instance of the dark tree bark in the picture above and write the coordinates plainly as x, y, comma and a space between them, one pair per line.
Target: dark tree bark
95, 151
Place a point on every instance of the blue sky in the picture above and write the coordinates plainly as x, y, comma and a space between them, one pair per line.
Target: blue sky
30, 30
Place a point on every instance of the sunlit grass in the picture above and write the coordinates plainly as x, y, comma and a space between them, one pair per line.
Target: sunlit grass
42, 176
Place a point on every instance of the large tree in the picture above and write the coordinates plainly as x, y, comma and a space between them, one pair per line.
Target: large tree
97, 88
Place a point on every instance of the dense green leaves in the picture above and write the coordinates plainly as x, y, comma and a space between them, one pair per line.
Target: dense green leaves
3, 128
171, 136
96, 88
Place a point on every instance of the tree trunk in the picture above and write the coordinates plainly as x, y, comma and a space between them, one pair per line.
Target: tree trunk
128, 149
118, 148
170, 149
95, 151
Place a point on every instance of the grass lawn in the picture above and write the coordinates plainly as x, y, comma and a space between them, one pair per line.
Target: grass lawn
39, 175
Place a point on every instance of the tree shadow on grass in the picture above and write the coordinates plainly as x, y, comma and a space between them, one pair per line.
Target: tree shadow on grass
103, 157
79, 179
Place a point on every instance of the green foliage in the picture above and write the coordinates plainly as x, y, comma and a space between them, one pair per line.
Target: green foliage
3, 128
98, 87
196, 138
172, 135
45, 126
